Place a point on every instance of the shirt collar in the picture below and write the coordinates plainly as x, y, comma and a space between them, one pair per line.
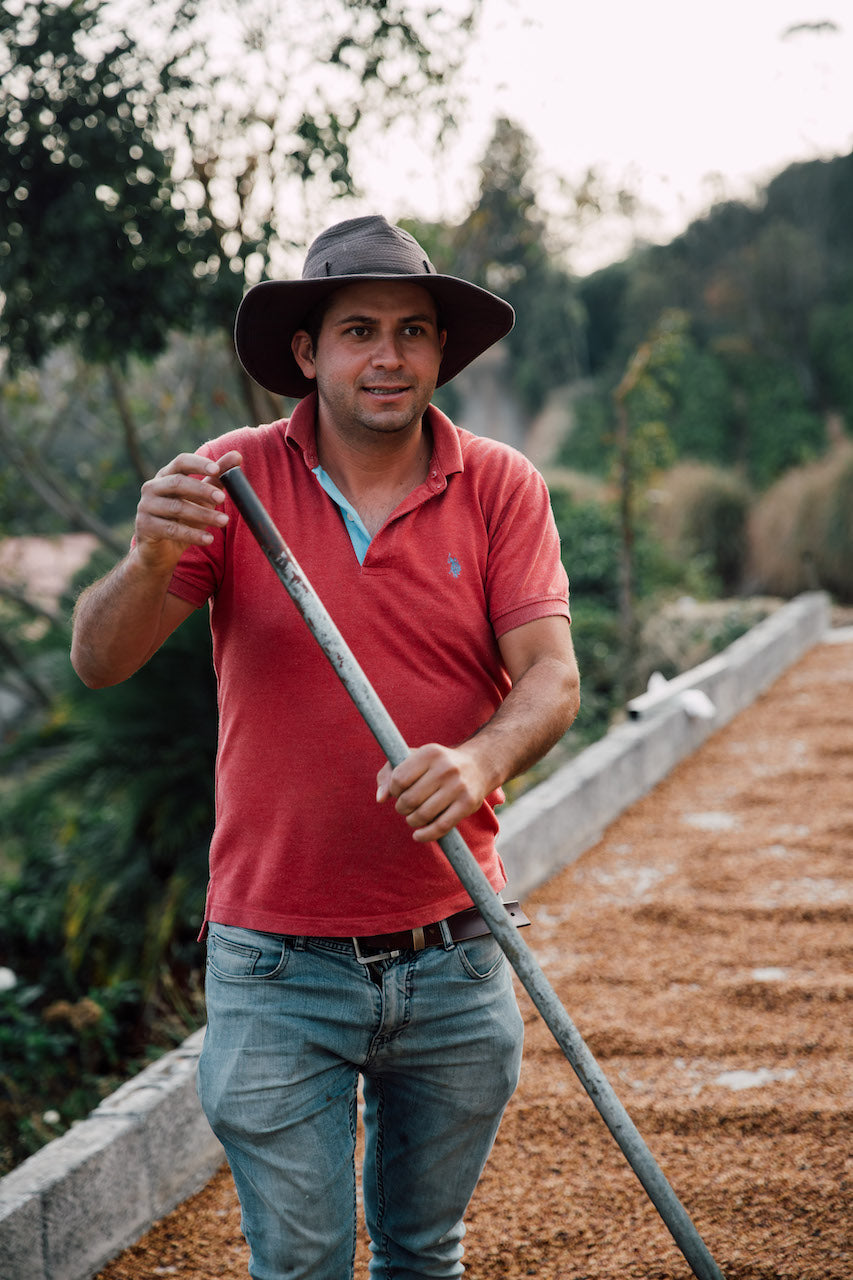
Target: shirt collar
300, 430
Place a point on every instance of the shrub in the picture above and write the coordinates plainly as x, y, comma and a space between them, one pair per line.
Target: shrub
58, 1059
105, 823
701, 513
685, 632
590, 536
801, 531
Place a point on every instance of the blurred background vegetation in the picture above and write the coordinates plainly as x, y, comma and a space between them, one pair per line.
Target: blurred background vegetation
691, 407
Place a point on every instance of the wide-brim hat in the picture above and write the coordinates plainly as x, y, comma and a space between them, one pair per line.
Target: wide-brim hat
360, 249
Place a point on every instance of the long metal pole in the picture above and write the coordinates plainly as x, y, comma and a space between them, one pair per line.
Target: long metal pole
475, 882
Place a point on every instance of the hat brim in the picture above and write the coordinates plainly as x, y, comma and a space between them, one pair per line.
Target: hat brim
272, 311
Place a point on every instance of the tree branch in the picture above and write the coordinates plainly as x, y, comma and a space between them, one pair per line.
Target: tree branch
20, 598
48, 486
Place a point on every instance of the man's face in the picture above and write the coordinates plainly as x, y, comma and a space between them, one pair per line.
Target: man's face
377, 358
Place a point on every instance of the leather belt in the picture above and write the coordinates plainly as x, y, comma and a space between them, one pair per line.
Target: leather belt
462, 925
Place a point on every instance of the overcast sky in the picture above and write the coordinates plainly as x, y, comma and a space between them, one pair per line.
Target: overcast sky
682, 103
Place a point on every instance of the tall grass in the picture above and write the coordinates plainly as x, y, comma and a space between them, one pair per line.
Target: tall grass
801, 530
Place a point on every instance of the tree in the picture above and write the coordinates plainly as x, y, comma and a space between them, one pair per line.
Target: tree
150, 174
95, 249
643, 401
151, 168
504, 245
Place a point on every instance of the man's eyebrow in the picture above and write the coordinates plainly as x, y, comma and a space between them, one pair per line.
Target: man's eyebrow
419, 318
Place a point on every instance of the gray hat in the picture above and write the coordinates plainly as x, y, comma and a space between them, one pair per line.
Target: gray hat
347, 253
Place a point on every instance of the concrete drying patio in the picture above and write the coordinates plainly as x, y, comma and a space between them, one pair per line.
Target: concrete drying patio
147, 1148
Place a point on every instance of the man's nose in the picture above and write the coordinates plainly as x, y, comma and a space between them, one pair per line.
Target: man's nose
387, 351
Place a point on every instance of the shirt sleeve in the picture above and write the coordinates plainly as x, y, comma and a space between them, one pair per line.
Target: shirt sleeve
526, 579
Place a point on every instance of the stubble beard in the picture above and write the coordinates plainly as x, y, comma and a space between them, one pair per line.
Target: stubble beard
365, 426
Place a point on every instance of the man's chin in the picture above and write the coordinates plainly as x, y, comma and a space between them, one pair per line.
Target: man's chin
392, 425
393, 420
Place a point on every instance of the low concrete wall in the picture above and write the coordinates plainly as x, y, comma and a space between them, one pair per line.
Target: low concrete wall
89, 1194
550, 826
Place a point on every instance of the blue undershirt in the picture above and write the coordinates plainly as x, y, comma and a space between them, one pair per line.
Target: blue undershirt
359, 537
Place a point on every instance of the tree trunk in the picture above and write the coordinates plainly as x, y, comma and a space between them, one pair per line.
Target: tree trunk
128, 424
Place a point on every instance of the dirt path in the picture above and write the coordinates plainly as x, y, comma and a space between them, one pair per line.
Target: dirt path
703, 949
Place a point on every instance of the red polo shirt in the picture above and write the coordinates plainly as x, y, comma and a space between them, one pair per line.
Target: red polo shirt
300, 844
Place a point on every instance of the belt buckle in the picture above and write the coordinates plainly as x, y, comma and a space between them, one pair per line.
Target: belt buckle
373, 958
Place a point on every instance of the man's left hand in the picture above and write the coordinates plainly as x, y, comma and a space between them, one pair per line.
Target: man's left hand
435, 788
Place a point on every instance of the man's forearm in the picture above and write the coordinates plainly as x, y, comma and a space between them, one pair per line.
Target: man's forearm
122, 620
437, 786
535, 714
117, 622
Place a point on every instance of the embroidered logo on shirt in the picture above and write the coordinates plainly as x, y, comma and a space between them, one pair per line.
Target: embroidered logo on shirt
454, 566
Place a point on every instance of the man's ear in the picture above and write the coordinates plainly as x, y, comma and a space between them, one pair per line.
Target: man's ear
303, 352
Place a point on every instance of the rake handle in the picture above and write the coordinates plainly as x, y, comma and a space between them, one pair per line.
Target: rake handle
474, 880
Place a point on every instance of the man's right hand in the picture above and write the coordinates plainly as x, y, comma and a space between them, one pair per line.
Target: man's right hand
122, 619
178, 507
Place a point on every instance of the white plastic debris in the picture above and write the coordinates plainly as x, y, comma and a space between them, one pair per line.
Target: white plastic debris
697, 704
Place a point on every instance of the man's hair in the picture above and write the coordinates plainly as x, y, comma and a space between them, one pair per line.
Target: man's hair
313, 322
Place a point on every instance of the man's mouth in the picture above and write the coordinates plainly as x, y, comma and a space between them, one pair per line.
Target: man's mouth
386, 391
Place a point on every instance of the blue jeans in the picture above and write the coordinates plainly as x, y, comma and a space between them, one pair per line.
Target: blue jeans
292, 1024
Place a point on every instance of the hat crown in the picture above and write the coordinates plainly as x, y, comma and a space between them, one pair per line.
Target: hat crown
365, 246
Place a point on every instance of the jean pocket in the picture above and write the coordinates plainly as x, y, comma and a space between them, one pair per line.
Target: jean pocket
245, 953
480, 957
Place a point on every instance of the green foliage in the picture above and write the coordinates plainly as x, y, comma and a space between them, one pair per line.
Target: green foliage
589, 446
95, 247
818, 195
785, 280
590, 539
58, 1059
105, 820
702, 423
502, 246
726, 405
62, 424
766, 291
148, 168
777, 428
716, 530
649, 392
272, 112
547, 345
595, 630
602, 295
831, 347
589, 536
107, 826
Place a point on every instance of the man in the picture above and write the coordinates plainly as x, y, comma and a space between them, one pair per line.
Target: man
340, 943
